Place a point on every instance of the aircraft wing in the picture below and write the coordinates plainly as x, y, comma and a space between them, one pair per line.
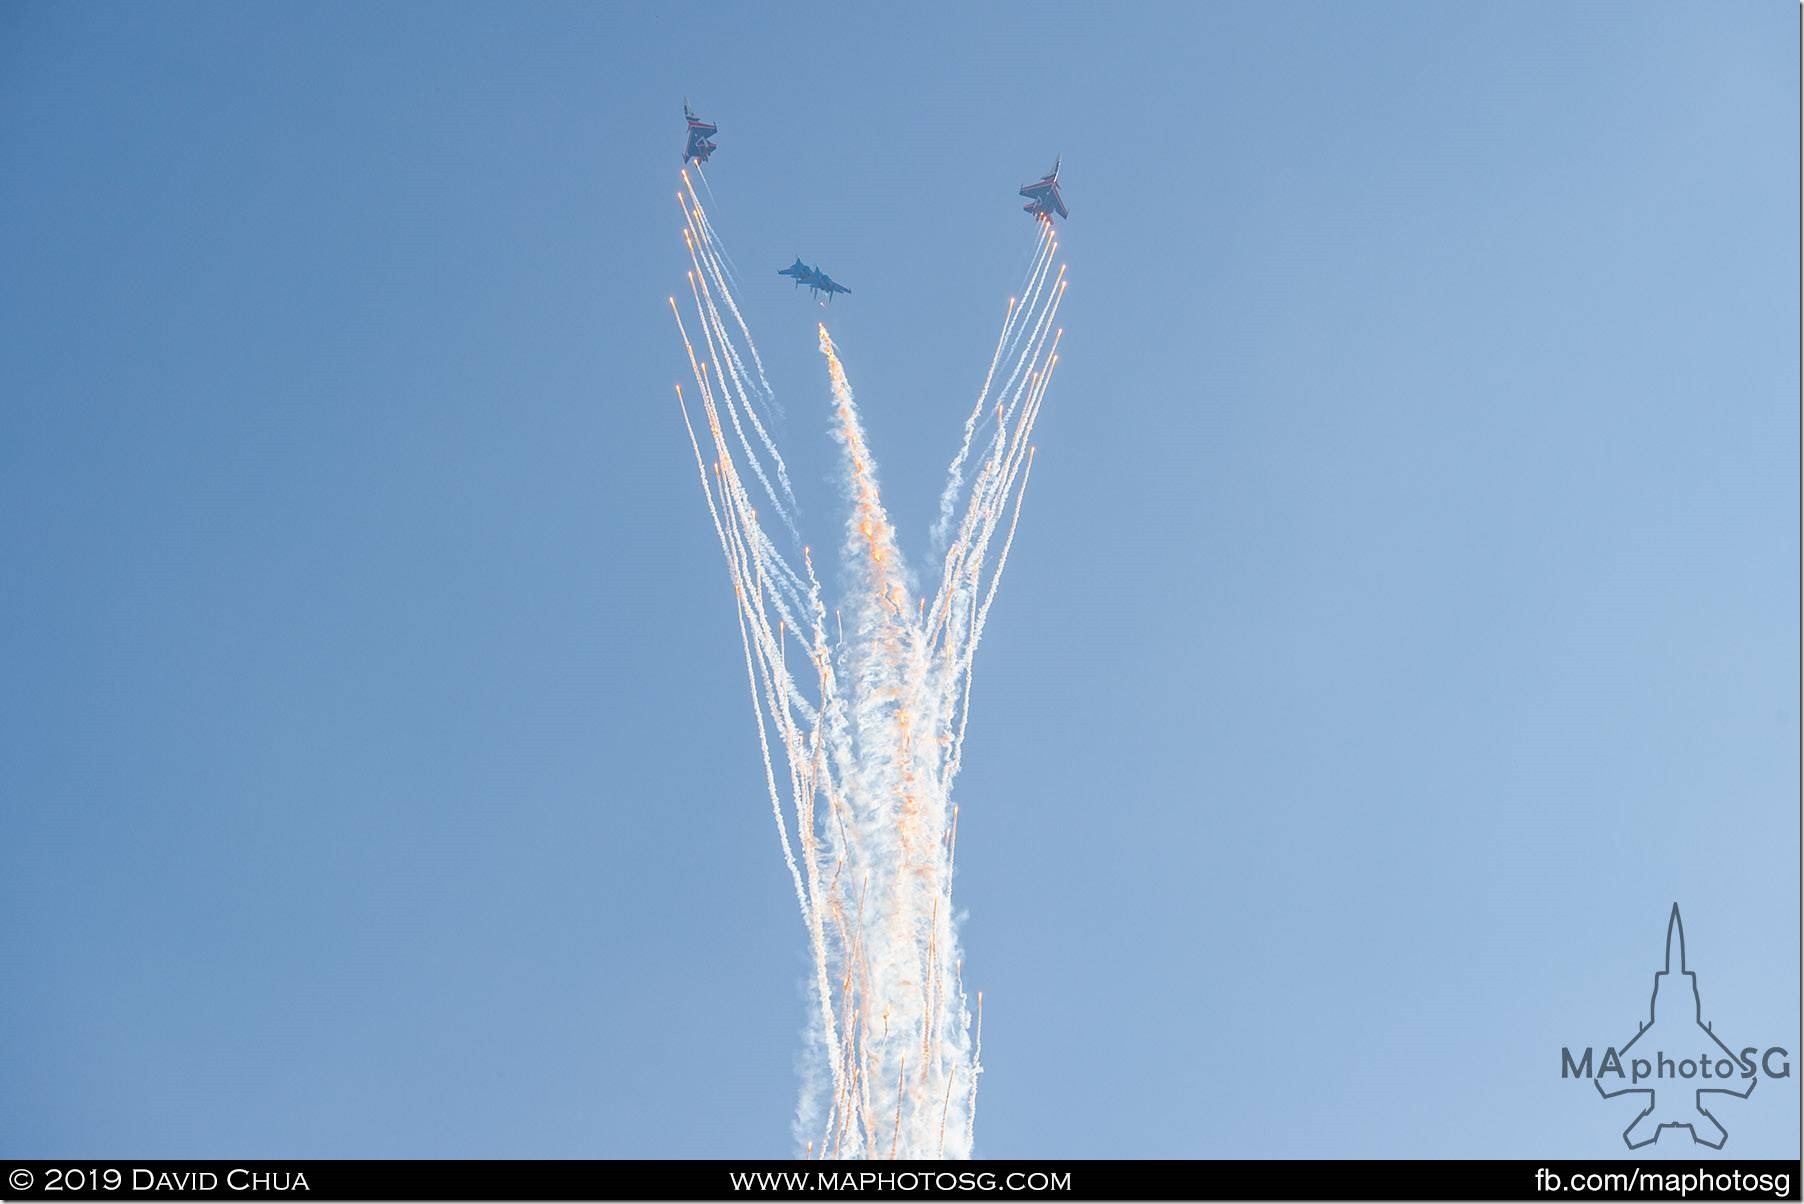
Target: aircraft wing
1045, 196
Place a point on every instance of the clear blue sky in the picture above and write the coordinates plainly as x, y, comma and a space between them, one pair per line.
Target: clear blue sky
1404, 614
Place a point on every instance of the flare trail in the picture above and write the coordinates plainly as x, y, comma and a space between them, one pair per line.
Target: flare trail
862, 726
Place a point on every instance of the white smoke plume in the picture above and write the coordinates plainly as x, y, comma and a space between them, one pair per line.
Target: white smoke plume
862, 726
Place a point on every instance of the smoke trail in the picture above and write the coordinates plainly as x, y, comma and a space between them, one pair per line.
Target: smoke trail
860, 750
1030, 298
735, 370
717, 250
732, 269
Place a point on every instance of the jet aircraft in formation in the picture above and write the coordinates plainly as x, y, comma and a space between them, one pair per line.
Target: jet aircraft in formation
698, 147
1043, 199
818, 282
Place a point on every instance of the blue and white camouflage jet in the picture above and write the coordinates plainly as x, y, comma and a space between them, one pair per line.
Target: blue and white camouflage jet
698, 147
1043, 195
818, 282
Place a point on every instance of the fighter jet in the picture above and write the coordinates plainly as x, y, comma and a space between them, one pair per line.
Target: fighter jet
824, 283
698, 147
1043, 195
818, 282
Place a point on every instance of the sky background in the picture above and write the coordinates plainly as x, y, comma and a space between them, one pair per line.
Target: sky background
1403, 616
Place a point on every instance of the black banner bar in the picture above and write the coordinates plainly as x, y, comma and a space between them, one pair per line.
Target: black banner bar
378, 1180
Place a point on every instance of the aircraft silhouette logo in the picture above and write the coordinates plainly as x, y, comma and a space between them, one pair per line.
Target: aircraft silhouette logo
1675, 1022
